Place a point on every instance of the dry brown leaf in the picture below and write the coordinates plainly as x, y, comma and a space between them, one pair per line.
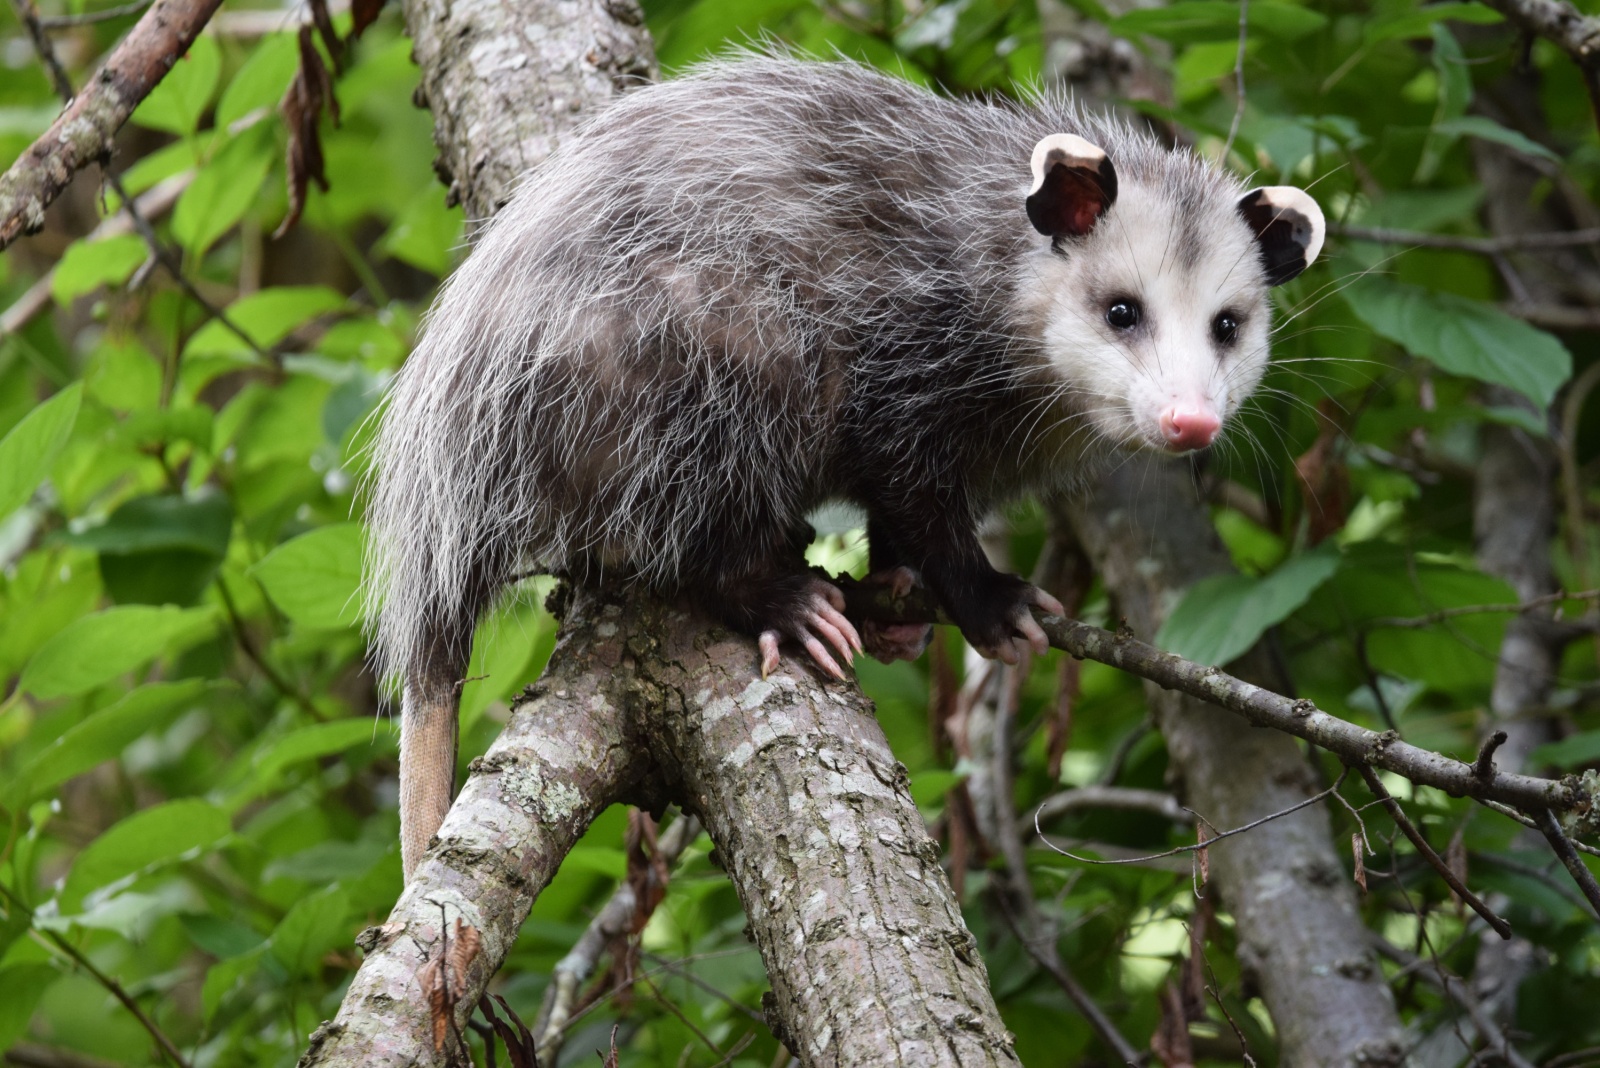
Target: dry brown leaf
1361, 861
309, 93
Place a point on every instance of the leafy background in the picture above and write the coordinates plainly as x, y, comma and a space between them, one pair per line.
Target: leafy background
197, 787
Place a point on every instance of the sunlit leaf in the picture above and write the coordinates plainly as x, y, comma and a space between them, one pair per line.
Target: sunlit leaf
1220, 618
316, 578
32, 445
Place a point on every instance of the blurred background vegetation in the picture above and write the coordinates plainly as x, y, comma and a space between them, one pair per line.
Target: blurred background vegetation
197, 799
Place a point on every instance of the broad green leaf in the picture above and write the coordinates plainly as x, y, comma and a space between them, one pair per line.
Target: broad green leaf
425, 234
1221, 617
106, 733
1465, 337
180, 98
1486, 129
1209, 20
221, 193
1418, 22
155, 836
28, 451
98, 648
313, 927
168, 521
316, 578
266, 317
263, 79
222, 977
309, 743
21, 987
1571, 752
88, 265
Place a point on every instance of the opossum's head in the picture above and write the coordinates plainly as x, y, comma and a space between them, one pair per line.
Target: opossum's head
1152, 298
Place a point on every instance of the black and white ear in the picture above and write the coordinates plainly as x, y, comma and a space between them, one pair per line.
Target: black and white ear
1073, 185
1289, 228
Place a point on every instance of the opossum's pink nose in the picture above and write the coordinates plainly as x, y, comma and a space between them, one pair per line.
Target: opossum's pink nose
1188, 426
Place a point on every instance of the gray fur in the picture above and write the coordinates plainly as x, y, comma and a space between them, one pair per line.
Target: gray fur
661, 331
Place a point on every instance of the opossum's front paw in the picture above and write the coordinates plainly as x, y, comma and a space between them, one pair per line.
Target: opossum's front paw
1003, 627
888, 642
816, 618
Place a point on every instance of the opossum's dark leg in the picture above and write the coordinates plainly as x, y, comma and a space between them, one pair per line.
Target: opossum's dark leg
888, 642
992, 609
428, 735
776, 599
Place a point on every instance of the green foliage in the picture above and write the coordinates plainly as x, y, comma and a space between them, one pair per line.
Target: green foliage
195, 793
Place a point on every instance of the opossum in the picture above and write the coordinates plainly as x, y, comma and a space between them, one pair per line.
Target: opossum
769, 284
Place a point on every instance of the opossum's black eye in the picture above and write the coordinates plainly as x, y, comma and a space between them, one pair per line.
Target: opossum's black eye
1124, 314
1225, 328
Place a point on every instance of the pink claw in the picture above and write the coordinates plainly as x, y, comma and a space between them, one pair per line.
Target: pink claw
768, 644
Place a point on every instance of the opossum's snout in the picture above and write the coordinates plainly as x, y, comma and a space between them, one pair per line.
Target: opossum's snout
1189, 426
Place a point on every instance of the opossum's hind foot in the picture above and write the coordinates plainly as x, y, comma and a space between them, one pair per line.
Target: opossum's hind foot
817, 622
888, 642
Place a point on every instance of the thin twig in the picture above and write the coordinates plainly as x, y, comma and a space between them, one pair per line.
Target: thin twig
1238, 79
1483, 767
1483, 246
1533, 824
1533, 604
112, 987
29, 17
1207, 841
1456, 990
1409, 829
90, 18
1550, 827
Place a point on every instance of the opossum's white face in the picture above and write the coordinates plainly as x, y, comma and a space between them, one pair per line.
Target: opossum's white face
1153, 308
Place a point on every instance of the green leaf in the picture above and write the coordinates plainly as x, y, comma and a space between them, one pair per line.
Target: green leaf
1570, 752
425, 234
309, 743
168, 521
221, 193
21, 987
1210, 20
316, 578
313, 927
1221, 617
180, 98
88, 265
98, 648
263, 79
1486, 129
266, 317
145, 840
1465, 337
106, 733
28, 451
1418, 22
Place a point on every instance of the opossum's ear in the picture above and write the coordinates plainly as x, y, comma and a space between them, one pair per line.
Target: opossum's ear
1073, 184
1289, 228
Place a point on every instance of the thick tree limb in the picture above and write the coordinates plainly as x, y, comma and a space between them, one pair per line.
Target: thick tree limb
1300, 933
507, 81
82, 133
794, 780
565, 756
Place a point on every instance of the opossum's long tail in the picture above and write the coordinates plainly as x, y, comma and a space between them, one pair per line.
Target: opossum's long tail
433, 554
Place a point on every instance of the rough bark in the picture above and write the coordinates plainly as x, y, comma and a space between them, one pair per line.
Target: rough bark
506, 81
861, 934
1300, 935
82, 133
563, 758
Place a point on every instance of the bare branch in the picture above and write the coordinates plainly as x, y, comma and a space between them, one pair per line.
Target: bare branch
82, 133
1260, 706
1485, 246
1551, 828
1567, 28
1119, 798
1409, 829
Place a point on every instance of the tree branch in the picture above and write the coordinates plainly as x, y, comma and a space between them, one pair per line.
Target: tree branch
83, 132
1563, 25
1261, 707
